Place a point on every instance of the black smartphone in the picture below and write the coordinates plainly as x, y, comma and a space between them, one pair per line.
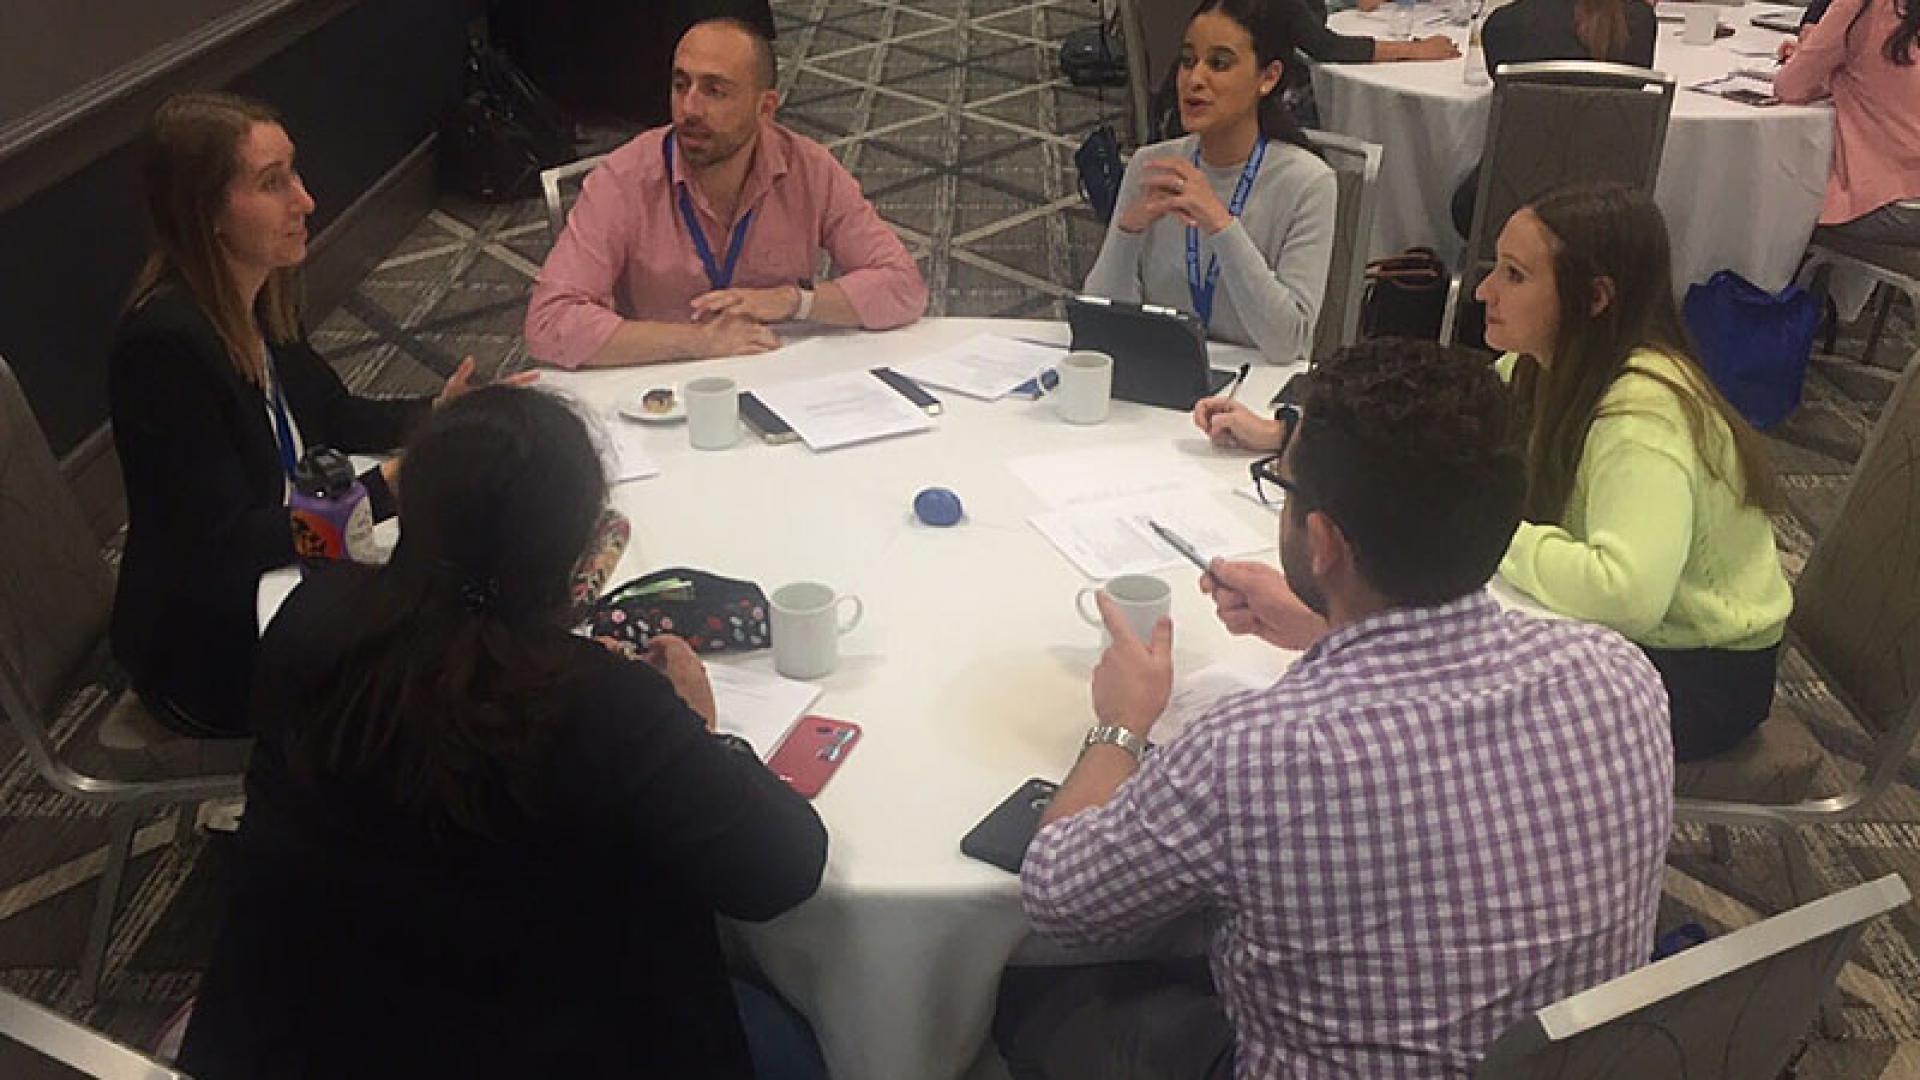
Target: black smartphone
1002, 837
908, 389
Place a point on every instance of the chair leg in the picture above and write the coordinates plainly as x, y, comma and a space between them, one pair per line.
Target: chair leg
1802, 887
1722, 841
93, 961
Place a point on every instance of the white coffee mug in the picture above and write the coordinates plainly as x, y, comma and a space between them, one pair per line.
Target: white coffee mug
1703, 21
807, 625
713, 412
1085, 387
1142, 598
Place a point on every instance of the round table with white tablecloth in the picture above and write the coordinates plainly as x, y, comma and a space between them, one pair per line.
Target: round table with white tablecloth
1741, 185
968, 675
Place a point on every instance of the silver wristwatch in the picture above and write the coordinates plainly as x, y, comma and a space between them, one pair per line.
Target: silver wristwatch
1108, 734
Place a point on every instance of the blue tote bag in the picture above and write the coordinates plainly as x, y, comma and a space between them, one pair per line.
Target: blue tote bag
1754, 344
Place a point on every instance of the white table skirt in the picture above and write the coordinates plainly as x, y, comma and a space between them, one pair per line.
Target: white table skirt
1741, 186
968, 675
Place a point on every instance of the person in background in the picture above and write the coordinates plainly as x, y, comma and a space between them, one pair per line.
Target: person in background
1529, 31
1647, 493
1865, 54
692, 240
215, 395
477, 844
1395, 807
1234, 221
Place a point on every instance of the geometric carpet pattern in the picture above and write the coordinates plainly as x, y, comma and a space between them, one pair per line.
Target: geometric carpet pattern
952, 115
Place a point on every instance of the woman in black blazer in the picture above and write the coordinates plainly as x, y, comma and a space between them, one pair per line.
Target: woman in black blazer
475, 844
210, 331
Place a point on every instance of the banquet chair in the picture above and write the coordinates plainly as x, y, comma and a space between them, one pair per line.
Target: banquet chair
1890, 265
1856, 622
1356, 167
36, 1036
550, 190
1553, 123
56, 596
1734, 1008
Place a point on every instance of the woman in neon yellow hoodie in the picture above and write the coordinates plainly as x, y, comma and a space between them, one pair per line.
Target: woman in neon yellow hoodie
1647, 494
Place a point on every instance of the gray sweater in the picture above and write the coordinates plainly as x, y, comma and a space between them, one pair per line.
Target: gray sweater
1273, 259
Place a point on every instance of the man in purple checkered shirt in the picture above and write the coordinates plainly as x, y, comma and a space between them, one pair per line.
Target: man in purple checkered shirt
1443, 817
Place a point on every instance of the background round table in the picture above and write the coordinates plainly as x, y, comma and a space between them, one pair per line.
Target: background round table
1741, 186
968, 675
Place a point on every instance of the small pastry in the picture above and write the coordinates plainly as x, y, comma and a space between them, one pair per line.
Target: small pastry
658, 402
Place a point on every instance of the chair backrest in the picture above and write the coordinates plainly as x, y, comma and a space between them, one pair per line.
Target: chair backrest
1857, 604
1356, 165
82, 1050
1560, 121
1733, 1008
553, 191
1154, 30
55, 591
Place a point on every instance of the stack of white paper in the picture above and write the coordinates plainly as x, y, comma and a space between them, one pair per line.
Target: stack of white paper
1107, 539
757, 706
985, 366
841, 410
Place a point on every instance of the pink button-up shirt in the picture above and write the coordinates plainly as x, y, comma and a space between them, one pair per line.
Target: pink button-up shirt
1876, 105
626, 252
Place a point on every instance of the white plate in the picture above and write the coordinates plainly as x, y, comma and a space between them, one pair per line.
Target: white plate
632, 409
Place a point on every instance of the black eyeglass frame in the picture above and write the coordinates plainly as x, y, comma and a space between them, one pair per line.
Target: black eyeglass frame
1266, 470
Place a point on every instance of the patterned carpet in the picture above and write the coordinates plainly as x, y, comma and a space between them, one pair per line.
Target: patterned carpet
952, 115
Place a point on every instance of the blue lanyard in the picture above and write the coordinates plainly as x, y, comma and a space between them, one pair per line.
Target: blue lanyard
717, 276
1203, 293
283, 425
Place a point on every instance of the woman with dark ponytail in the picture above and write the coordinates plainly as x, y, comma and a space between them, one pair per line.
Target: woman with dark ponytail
1865, 54
476, 844
1234, 221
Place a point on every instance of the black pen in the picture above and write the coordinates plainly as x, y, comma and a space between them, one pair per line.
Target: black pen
1237, 380
1179, 544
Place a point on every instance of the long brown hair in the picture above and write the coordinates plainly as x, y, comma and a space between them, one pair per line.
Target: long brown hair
1601, 26
1615, 232
192, 157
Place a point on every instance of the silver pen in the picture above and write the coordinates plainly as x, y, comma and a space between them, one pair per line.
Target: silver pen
1179, 544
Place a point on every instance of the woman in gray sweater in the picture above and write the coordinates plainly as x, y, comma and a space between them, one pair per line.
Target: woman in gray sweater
1234, 221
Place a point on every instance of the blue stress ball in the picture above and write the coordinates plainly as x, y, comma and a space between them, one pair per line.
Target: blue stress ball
937, 506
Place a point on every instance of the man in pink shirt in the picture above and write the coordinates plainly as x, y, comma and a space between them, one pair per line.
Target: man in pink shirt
691, 240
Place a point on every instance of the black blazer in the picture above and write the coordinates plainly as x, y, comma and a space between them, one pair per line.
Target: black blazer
579, 941
206, 496
1527, 31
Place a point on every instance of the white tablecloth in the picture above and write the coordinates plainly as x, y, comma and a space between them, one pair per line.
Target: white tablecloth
1741, 186
968, 675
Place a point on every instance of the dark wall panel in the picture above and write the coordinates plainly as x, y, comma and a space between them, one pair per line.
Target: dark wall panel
358, 94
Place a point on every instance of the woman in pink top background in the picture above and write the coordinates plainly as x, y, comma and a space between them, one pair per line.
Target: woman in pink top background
1864, 54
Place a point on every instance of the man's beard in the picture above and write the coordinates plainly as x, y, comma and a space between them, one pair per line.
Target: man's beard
717, 150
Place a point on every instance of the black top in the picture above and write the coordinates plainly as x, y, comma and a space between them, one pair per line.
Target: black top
1307, 24
206, 495
581, 942
1528, 31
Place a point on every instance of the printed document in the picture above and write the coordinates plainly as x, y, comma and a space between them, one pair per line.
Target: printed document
756, 705
1107, 539
841, 410
985, 366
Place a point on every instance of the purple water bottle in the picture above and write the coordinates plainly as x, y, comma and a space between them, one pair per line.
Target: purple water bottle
331, 516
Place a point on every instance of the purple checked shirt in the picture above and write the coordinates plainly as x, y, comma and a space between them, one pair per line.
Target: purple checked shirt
1438, 821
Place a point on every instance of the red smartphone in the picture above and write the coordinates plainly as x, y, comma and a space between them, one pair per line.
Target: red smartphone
811, 752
